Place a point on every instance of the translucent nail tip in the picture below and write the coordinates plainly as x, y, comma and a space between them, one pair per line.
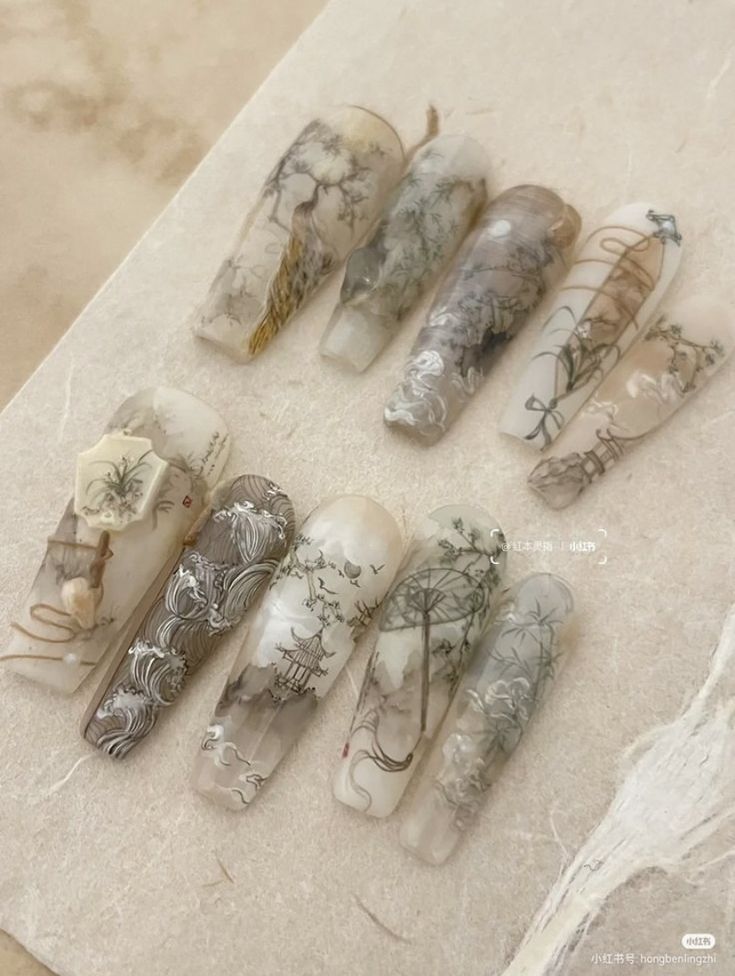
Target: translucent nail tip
509, 675
249, 529
92, 580
318, 201
519, 251
674, 358
431, 618
322, 596
610, 293
420, 229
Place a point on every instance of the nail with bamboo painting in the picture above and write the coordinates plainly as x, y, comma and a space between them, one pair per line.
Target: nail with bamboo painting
510, 673
138, 492
430, 621
322, 596
519, 251
318, 201
675, 357
609, 295
421, 227
246, 531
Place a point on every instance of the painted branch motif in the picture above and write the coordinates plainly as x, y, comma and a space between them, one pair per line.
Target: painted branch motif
519, 251
611, 292
675, 357
429, 624
91, 580
248, 531
322, 596
421, 227
318, 201
511, 672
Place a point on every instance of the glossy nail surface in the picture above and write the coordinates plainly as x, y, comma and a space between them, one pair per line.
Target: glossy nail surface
91, 580
321, 598
675, 357
510, 673
248, 530
318, 201
420, 229
432, 617
613, 288
520, 250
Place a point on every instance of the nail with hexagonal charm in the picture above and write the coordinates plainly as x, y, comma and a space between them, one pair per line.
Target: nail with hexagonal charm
138, 492
431, 618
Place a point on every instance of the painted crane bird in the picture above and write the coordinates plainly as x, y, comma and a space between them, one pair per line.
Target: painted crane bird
435, 595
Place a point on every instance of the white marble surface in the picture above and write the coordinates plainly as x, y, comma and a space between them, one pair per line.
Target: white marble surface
122, 868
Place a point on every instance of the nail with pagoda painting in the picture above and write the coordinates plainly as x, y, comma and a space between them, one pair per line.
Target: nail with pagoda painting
515, 664
322, 596
612, 290
675, 357
231, 557
429, 624
138, 492
318, 201
421, 227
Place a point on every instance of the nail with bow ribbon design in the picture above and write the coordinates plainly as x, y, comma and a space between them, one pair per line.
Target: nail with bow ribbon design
433, 615
138, 492
510, 674
674, 358
420, 229
246, 531
520, 250
611, 292
318, 201
322, 596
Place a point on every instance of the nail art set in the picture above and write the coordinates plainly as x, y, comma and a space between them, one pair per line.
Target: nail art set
156, 559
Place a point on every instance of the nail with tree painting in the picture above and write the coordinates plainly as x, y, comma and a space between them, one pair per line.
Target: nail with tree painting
429, 624
510, 673
232, 555
318, 201
138, 492
519, 251
606, 300
420, 229
675, 357
321, 598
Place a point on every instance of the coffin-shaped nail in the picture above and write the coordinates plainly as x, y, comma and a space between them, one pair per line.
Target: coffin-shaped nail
420, 229
510, 673
237, 547
322, 596
137, 494
318, 201
675, 357
612, 290
430, 621
518, 252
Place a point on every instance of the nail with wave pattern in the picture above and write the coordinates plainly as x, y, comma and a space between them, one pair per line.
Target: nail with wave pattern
247, 531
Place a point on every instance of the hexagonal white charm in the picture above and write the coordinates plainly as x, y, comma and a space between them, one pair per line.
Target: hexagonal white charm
117, 481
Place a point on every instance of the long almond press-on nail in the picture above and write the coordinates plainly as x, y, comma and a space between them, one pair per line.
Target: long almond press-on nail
518, 252
248, 530
674, 358
318, 201
432, 616
612, 290
421, 227
322, 596
138, 491
510, 673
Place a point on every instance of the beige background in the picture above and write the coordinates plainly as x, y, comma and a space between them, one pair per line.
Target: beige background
106, 108
116, 869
